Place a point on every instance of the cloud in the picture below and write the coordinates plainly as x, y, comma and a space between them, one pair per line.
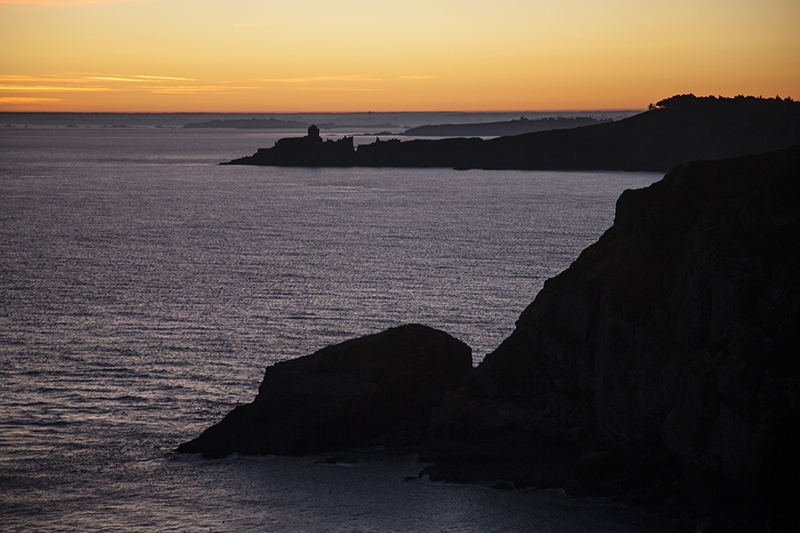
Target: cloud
336, 89
315, 79
49, 88
163, 78
36, 79
357, 78
67, 2
137, 79
26, 100
195, 89
90, 83
114, 78
71, 82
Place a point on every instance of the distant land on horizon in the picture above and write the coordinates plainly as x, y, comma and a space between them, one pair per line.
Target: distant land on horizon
274, 124
496, 129
353, 122
676, 130
248, 124
470, 129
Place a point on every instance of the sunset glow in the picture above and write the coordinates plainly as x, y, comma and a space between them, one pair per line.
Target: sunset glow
410, 55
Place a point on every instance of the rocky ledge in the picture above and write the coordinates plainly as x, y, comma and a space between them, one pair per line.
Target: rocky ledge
663, 367
376, 389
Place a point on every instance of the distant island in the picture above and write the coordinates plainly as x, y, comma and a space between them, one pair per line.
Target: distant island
675, 130
496, 129
251, 124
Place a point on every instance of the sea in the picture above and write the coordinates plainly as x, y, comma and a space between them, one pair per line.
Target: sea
144, 289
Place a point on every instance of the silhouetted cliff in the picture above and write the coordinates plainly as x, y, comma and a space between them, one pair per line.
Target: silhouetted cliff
676, 130
666, 359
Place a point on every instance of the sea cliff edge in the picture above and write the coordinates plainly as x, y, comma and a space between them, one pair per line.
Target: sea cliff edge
664, 362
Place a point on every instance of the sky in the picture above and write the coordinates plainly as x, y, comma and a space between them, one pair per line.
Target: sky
406, 55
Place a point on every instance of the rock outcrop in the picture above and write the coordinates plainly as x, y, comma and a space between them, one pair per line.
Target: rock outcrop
375, 389
665, 359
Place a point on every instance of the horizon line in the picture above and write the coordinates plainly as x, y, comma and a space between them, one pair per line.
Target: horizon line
326, 112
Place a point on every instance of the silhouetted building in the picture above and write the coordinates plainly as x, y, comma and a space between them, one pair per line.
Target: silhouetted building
313, 133
310, 151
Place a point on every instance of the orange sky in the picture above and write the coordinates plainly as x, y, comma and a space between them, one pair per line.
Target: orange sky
406, 55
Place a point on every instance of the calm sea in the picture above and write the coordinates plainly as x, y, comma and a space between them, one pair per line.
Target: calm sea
144, 289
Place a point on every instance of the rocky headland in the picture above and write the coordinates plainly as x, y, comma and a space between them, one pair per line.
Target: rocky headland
663, 366
675, 130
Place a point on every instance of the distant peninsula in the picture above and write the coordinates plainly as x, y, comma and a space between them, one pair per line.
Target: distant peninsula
675, 130
496, 129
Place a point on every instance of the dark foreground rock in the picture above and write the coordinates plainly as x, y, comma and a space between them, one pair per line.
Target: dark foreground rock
663, 367
375, 389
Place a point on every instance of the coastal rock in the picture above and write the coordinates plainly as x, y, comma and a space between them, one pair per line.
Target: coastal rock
375, 389
675, 336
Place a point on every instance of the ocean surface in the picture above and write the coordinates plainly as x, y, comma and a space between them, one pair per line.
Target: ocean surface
144, 289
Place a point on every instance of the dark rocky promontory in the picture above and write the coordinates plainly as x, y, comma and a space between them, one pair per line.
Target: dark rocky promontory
375, 389
664, 364
676, 130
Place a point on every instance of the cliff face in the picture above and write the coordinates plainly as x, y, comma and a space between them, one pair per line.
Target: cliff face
677, 331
